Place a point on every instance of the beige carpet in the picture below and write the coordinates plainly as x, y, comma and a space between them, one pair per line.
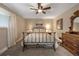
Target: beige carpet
17, 51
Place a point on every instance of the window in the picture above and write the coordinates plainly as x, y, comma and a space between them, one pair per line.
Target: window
4, 19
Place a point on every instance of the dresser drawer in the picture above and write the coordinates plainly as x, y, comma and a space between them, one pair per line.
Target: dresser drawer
70, 48
70, 38
70, 42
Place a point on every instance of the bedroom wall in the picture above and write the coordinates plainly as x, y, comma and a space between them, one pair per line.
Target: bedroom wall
20, 27
29, 23
66, 20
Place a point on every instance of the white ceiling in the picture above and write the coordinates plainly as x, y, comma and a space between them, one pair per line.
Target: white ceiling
24, 10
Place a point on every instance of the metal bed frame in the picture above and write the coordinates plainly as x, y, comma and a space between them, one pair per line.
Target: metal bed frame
37, 43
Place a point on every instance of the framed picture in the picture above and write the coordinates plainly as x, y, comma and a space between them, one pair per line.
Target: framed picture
59, 24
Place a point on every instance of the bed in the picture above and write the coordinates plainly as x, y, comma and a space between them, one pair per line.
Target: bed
39, 37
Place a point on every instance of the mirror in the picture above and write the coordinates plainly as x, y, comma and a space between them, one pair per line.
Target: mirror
76, 24
74, 21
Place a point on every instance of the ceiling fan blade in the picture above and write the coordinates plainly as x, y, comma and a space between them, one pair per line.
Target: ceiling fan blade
46, 8
44, 12
39, 5
33, 8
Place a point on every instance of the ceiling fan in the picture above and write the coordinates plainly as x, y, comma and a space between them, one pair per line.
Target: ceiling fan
40, 8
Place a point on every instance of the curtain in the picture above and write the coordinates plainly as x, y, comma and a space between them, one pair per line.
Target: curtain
12, 30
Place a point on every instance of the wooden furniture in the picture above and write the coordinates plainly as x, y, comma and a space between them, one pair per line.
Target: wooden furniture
71, 42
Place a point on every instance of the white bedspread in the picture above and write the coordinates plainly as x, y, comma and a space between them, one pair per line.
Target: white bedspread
39, 37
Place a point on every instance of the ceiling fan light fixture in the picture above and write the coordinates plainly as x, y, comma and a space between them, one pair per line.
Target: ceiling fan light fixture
39, 10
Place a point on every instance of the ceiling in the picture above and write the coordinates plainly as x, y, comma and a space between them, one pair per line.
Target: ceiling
24, 10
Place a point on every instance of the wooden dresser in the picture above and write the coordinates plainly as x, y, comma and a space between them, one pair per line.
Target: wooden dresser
71, 42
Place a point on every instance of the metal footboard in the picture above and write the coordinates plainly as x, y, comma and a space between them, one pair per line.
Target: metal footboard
41, 38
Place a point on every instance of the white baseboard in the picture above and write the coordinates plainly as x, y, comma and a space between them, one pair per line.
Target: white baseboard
3, 50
